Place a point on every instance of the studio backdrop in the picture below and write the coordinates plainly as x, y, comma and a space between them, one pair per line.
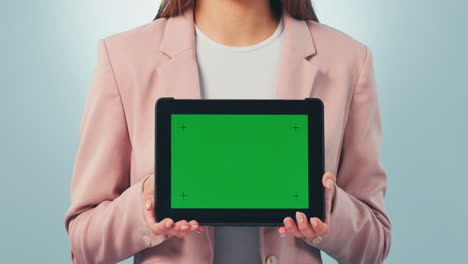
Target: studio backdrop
420, 56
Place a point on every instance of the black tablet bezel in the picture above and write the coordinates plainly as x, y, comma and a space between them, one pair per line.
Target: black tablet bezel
166, 106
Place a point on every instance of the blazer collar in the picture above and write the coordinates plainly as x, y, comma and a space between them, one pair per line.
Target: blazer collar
179, 34
297, 73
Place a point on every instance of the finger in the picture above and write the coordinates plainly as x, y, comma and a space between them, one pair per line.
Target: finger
174, 229
185, 229
193, 225
304, 225
155, 227
180, 228
292, 228
162, 227
319, 227
149, 212
148, 185
282, 231
329, 180
200, 229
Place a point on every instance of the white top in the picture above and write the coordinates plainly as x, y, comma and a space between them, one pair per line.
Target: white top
228, 72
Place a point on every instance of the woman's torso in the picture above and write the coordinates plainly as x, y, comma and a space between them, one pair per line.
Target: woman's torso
158, 60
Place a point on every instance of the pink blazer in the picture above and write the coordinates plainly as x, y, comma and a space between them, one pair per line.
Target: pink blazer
105, 221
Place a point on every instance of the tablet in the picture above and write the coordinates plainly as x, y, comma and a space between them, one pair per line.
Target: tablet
238, 162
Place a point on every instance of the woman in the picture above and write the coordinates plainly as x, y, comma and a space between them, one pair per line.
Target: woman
207, 49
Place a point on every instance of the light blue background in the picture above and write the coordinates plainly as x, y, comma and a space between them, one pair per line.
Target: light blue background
49, 54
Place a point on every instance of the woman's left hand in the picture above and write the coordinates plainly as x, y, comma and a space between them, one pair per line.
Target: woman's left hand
311, 229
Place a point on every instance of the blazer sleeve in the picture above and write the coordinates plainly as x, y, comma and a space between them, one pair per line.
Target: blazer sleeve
359, 226
105, 221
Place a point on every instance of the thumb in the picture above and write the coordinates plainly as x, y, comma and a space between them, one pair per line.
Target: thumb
328, 181
149, 204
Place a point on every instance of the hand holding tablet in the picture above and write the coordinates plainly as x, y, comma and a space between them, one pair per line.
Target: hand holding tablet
312, 229
238, 162
166, 227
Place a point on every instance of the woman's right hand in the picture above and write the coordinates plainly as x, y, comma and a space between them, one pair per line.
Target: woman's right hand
165, 227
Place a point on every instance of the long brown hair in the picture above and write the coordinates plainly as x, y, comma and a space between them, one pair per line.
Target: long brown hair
300, 9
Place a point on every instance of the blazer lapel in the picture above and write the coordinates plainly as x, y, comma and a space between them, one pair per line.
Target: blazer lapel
178, 76
297, 73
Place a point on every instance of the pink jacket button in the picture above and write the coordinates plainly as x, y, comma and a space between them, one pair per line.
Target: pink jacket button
147, 240
271, 260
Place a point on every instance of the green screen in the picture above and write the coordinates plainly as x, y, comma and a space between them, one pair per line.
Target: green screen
229, 161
